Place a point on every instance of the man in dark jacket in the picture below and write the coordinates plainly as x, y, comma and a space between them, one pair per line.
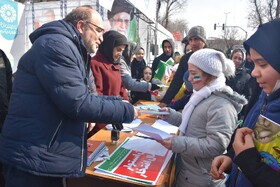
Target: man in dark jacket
197, 40
44, 136
168, 50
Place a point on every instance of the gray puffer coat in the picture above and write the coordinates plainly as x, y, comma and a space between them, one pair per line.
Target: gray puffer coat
207, 135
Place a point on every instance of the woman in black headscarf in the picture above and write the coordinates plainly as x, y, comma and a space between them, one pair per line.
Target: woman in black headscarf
106, 69
138, 64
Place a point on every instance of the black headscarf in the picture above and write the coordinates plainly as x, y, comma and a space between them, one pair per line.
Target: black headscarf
111, 39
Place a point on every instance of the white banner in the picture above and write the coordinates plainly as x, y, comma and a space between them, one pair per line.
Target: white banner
107, 4
11, 37
148, 8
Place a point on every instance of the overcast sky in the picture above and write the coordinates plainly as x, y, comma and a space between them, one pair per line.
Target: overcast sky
208, 12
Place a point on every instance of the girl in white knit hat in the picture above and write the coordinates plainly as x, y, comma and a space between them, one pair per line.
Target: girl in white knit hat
207, 121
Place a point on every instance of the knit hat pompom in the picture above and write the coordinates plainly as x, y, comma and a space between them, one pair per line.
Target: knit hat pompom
229, 69
212, 62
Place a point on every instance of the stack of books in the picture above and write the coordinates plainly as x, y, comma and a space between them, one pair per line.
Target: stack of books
95, 149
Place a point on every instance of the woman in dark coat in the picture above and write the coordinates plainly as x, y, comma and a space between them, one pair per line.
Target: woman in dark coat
138, 64
240, 82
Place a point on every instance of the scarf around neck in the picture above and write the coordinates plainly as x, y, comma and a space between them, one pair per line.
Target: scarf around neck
196, 98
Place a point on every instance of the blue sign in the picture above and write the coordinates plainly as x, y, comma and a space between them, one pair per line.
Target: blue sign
8, 19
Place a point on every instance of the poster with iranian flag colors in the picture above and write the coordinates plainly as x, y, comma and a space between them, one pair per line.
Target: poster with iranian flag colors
136, 166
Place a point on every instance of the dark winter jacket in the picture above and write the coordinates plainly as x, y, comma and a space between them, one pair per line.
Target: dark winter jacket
137, 69
253, 172
180, 104
163, 57
5, 85
239, 82
45, 130
143, 94
136, 96
177, 81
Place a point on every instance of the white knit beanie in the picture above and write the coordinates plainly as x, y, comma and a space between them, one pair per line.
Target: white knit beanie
212, 62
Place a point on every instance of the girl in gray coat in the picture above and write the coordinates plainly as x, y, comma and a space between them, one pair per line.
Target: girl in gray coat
207, 121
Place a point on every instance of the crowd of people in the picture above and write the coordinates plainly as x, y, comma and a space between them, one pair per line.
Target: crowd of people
76, 78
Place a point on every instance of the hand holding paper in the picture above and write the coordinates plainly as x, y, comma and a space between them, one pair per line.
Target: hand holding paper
167, 143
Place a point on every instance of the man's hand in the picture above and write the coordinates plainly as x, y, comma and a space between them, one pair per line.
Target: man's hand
243, 140
219, 165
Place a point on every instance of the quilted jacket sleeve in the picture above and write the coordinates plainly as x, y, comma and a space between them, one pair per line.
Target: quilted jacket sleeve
63, 77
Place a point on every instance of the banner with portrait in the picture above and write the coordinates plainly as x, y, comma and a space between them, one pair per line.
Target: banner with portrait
120, 17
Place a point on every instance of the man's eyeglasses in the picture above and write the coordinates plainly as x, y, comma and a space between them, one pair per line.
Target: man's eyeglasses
119, 20
98, 29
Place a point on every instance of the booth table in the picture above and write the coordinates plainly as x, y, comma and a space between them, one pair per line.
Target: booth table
99, 180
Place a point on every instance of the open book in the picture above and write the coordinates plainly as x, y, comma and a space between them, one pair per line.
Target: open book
267, 141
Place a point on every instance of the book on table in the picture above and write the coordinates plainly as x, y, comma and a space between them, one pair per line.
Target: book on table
128, 163
267, 141
94, 149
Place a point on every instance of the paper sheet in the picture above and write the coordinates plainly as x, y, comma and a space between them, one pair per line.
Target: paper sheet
152, 132
165, 126
145, 146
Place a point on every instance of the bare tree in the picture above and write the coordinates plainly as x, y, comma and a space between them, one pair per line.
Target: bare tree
169, 9
231, 39
227, 41
262, 11
166, 15
277, 12
179, 25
